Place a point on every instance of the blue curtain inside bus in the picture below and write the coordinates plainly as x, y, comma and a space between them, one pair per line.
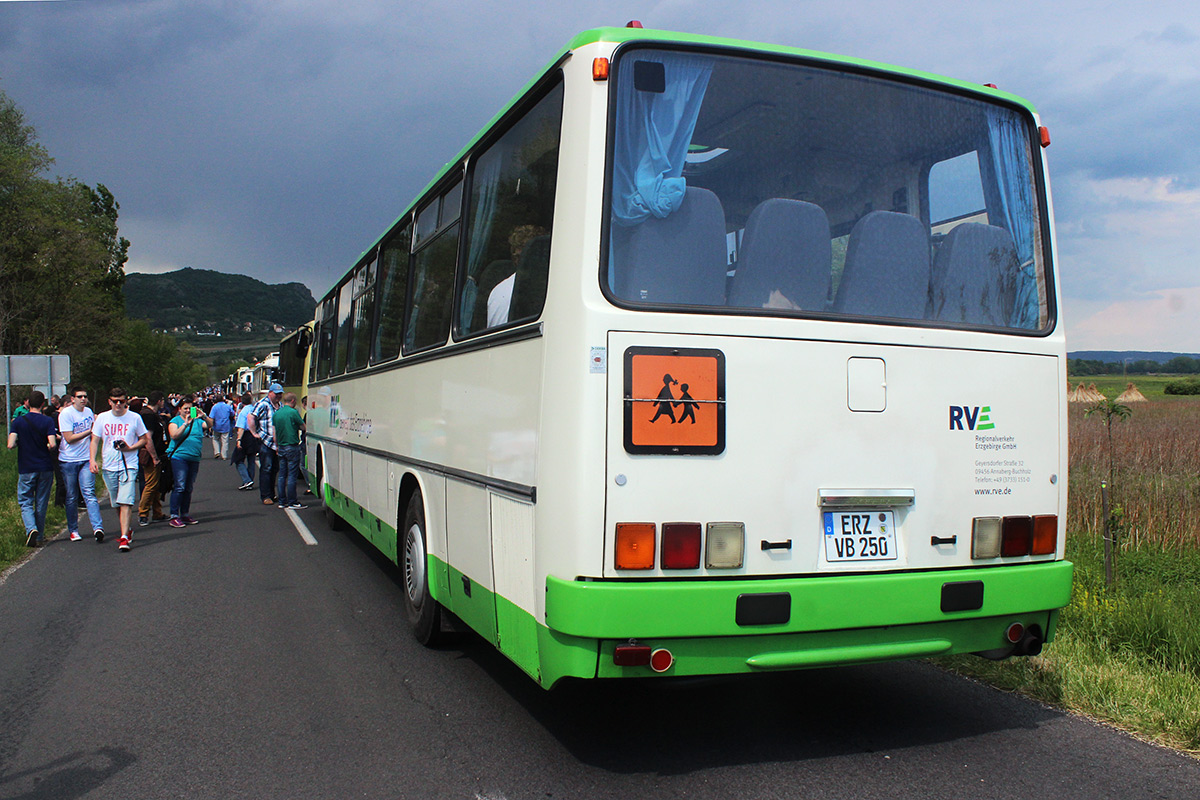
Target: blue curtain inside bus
654, 130
1009, 143
486, 188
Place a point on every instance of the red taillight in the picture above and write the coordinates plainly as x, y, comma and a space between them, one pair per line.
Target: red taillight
1013, 634
1045, 535
661, 660
631, 655
1016, 536
681, 545
635, 545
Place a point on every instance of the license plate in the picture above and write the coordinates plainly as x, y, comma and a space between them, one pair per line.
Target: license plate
860, 536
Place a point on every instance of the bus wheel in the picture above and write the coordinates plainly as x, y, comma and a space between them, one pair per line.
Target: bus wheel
424, 613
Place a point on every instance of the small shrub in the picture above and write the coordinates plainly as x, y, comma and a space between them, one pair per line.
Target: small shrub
1183, 386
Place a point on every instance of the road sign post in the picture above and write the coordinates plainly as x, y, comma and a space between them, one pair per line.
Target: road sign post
54, 370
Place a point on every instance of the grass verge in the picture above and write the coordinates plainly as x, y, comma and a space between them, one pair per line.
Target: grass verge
12, 530
1127, 655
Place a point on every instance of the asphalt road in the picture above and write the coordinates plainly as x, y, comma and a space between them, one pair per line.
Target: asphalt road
231, 659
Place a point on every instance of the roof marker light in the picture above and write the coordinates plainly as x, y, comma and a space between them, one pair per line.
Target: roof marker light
991, 86
633, 23
1044, 133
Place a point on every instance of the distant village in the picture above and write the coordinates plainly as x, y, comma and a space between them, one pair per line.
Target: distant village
245, 327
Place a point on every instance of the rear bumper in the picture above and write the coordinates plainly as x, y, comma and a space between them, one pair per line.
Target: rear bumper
706, 608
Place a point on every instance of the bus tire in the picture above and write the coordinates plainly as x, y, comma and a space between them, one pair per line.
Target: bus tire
424, 613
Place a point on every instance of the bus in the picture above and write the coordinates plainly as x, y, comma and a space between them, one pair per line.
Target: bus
712, 357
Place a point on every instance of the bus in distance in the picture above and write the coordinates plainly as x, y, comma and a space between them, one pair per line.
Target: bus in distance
710, 357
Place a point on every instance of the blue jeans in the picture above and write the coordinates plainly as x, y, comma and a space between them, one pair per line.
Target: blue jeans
33, 495
78, 477
244, 465
289, 473
185, 478
268, 466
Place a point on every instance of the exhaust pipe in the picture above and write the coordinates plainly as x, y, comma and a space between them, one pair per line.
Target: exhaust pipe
1030, 643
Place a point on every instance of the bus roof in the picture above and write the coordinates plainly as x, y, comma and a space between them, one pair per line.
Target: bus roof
633, 34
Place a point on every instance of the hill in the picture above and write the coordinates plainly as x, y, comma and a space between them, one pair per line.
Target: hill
204, 300
1118, 356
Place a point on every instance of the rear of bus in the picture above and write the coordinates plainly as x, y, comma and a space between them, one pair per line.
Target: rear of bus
835, 368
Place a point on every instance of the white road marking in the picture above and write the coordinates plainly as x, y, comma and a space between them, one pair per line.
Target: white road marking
301, 528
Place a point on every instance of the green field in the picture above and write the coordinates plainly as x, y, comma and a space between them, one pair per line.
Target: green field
1112, 385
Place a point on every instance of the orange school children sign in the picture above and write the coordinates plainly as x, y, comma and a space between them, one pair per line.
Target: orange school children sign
674, 401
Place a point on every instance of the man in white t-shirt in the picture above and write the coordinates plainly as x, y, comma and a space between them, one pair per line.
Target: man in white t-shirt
75, 426
119, 433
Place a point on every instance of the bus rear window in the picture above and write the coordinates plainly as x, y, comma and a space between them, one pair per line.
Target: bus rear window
750, 186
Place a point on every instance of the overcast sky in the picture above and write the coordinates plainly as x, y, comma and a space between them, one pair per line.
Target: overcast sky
278, 139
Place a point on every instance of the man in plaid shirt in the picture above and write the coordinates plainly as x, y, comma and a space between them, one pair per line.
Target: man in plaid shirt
260, 426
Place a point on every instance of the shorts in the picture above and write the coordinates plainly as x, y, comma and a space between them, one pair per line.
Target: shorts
122, 486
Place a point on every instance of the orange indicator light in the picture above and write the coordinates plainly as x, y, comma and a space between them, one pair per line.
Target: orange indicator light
1044, 133
1045, 534
599, 69
635, 545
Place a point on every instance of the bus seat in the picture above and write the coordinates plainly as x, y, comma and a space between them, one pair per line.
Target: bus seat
974, 275
785, 249
529, 291
887, 268
679, 259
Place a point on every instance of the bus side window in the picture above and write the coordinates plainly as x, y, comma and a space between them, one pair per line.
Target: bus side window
510, 213
392, 283
432, 277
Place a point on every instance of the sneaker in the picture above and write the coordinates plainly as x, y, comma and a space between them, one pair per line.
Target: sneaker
31, 539
297, 506
246, 485
75, 537
123, 543
176, 522
99, 536
143, 521
268, 501
190, 520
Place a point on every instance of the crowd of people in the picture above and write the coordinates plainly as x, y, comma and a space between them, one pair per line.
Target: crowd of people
146, 449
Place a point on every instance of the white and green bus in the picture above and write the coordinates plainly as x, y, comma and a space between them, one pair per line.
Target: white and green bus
707, 356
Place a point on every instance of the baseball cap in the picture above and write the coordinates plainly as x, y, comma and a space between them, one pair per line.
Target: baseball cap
276, 388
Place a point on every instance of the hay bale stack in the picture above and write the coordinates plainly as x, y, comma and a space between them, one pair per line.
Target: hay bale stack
1094, 395
1131, 395
1075, 395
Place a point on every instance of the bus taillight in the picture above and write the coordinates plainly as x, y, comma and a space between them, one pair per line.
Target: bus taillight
1045, 534
635, 545
726, 545
1015, 536
681, 545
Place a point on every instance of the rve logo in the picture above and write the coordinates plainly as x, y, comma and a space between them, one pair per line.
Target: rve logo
975, 418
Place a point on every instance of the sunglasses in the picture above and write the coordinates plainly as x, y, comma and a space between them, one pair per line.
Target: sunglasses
118, 401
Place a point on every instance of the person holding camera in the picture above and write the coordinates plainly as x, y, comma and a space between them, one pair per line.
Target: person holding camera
119, 433
186, 431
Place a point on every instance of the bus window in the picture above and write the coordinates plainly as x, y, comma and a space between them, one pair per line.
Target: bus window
956, 192
325, 338
798, 155
342, 346
393, 280
511, 211
362, 314
432, 280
